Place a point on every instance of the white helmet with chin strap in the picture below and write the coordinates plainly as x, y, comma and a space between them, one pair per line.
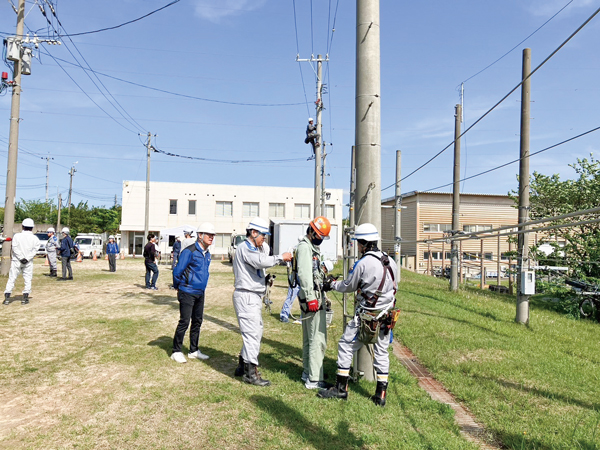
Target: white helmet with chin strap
207, 228
366, 232
259, 225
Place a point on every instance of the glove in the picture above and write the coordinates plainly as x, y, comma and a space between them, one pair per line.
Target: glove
313, 305
24, 261
327, 283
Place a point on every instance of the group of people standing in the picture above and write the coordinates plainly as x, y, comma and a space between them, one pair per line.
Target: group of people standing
373, 278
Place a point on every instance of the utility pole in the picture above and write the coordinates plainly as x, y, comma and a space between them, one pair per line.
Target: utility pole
323, 175
47, 158
455, 201
13, 150
522, 315
368, 133
147, 210
398, 216
350, 255
59, 208
71, 173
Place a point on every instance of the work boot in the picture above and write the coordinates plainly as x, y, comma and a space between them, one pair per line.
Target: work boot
25, 300
252, 376
6, 298
239, 370
52, 272
380, 392
340, 390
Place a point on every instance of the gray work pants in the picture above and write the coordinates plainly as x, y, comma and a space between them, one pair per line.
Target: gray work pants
112, 262
66, 267
248, 309
52, 260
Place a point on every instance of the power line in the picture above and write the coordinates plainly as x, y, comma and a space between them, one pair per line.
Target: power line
230, 161
499, 102
298, 55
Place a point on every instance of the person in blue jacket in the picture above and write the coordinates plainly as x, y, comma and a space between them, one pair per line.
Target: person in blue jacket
176, 251
112, 250
190, 277
66, 244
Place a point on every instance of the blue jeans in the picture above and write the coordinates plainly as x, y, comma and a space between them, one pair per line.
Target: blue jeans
151, 267
289, 301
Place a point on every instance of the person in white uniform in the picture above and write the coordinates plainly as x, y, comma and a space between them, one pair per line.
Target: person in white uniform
25, 246
251, 260
374, 279
51, 247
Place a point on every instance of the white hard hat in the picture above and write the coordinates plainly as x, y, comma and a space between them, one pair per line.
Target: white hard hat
310, 119
28, 223
65, 230
111, 237
207, 228
50, 230
328, 265
187, 231
366, 232
259, 225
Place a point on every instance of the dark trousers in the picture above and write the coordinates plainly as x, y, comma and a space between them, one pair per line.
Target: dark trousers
112, 262
190, 306
151, 267
65, 262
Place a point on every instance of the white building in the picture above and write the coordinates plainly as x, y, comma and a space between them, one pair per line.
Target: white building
228, 207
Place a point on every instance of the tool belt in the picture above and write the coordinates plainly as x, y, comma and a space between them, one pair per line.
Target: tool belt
371, 323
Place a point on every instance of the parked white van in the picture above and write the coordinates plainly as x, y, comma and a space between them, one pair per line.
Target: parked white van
88, 243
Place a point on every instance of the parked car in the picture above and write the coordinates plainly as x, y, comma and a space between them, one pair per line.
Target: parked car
88, 244
43, 237
236, 239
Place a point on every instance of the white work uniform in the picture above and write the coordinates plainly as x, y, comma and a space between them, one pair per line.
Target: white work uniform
249, 267
367, 276
51, 247
25, 246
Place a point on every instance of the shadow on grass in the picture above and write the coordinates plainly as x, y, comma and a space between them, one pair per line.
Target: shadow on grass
313, 434
163, 342
540, 392
485, 314
466, 322
526, 442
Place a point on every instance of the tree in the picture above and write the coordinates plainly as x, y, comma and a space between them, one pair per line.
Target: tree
549, 197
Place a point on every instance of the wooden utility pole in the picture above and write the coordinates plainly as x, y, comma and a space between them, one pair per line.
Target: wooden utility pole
522, 315
71, 173
147, 208
59, 209
368, 133
13, 149
455, 201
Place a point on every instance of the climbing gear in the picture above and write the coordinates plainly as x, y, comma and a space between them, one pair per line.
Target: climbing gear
321, 226
369, 327
340, 390
370, 301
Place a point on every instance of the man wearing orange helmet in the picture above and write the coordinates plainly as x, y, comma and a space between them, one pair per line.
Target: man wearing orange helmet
307, 265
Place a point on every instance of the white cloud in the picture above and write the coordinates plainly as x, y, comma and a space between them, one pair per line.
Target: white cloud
547, 8
215, 11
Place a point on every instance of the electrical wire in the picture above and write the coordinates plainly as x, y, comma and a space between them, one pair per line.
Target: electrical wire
298, 55
229, 161
500, 101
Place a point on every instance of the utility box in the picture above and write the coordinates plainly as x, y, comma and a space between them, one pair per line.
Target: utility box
26, 62
528, 282
13, 49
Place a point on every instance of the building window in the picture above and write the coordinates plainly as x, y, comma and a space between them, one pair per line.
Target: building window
192, 207
504, 256
474, 228
330, 211
436, 256
224, 209
488, 256
276, 209
250, 209
436, 227
172, 206
470, 256
301, 211
222, 240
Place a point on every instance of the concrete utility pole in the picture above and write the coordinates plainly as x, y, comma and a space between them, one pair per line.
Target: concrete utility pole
455, 201
350, 255
318, 161
368, 132
58, 220
47, 158
398, 215
147, 209
13, 150
71, 173
522, 315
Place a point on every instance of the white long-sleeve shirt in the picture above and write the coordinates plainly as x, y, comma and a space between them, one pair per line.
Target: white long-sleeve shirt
25, 245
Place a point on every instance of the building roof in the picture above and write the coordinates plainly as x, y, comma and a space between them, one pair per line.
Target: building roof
413, 193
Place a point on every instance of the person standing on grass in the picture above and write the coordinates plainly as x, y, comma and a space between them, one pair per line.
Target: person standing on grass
176, 251
190, 277
150, 255
51, 247
251, 260
67, 251
112, 250
25, 246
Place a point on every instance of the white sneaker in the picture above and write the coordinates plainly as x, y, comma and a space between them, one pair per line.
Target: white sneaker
198, 355
178, 356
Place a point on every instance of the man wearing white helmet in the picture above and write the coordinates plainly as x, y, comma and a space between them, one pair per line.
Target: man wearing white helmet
51, 247
312, 136
375, 316
112, 250
251, 260
67, 251
25, 245
190, 277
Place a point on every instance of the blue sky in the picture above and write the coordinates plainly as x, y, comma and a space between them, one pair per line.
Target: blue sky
243, 52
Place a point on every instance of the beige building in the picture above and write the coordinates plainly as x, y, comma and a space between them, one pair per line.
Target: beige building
427, 215
228, 207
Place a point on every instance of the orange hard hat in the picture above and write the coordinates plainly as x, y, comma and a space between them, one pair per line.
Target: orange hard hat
321, 226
